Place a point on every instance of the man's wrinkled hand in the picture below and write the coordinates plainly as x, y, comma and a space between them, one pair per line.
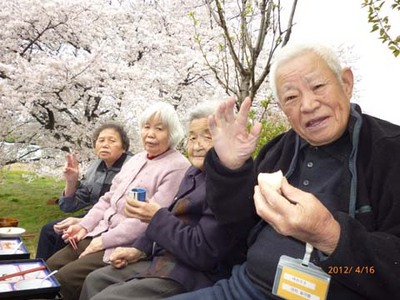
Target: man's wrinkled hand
298, 214
233, 140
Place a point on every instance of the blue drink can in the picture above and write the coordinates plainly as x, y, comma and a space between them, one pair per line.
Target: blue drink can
138, 194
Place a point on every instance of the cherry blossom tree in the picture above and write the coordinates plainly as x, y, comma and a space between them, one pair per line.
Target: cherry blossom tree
67, 66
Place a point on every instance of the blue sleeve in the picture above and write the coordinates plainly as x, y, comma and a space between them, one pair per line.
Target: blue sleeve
80, 199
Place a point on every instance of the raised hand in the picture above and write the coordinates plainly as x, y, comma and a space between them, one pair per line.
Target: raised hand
71, 173
233, 141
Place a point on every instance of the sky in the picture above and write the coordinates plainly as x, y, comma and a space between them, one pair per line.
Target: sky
345, 23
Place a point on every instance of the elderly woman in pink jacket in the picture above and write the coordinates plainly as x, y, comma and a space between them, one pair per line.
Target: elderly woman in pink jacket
159, 170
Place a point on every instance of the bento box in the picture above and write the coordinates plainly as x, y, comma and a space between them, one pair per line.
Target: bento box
13, 248
27, 279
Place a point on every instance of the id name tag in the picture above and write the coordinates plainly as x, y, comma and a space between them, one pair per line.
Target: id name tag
295, 281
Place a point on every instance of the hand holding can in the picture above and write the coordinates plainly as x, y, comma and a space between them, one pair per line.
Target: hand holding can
138, 194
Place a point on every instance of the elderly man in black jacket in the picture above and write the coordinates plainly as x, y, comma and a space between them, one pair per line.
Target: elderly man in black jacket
333, 227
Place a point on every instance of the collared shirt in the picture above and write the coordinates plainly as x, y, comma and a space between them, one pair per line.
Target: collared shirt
324, 171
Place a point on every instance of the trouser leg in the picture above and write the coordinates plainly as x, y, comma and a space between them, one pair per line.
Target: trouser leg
141, 289
100, 279
72, 270
237, 287
49, 241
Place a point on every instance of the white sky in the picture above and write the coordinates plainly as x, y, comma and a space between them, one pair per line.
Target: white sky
345, 22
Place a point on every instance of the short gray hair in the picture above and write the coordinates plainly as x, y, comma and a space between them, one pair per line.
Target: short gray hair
290, 51
201, 110
168, 117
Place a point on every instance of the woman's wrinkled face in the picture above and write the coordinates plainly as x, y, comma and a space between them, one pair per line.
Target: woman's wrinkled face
199, 142
316, 103
109, 146
155, 136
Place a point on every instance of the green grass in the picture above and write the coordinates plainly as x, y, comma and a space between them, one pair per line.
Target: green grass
25, 196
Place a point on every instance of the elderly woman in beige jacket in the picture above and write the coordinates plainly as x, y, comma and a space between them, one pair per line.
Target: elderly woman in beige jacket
159, 169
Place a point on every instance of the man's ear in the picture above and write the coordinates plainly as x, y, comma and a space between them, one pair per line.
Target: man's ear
348, 81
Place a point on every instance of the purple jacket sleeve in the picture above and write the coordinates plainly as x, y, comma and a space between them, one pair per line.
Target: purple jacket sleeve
201, 246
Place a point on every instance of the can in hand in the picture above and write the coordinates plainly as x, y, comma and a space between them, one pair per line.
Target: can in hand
138, 194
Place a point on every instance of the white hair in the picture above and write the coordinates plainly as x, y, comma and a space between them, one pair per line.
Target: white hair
168, 117
291, 51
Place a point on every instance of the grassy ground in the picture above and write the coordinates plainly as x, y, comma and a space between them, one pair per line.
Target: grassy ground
30, 198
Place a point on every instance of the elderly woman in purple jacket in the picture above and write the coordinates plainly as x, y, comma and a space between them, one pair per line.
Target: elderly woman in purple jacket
159, 170
183, 248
